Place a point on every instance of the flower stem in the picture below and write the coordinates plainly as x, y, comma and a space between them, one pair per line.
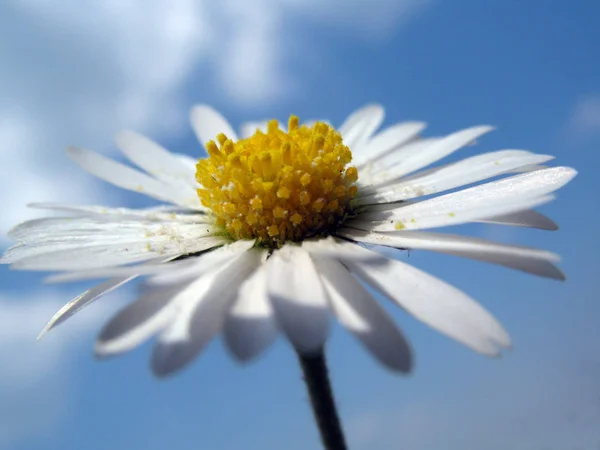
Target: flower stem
316, 377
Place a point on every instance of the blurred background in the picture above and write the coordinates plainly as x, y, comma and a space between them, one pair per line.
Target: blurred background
74, 73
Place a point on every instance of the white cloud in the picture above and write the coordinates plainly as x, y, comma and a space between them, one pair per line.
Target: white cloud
36, 380
250, 63
79, 72
253, 51
369, 19
31, 174
585, 119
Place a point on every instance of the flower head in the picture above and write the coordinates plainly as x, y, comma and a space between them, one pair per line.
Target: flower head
280, 185
273, 232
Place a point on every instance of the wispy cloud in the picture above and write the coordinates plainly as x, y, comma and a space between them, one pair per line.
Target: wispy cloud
79, 72
372, 19
585, 118
36, 377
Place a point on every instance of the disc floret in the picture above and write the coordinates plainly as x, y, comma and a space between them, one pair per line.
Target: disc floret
278, 186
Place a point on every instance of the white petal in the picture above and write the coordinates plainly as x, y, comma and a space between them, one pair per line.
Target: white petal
95, 231
408, 218
44, 240
202, 263
531, 168
82, 300
142, 319
504, 153
361, 315
147, 316
133, 180
386, 141
198, 321
153, 266
504, 196
312, 122
336, 248
372, 173
298, 298
208, 123
105, 211
410, 160
527, 218
437, 304
532, 184
50, 228
381, 207
462, 173
188, 161
538, 262
83, 253
166, 214
399, 154
156, 266
84, 258
250, 128
98, 226
154, 159
361, 124
250, 327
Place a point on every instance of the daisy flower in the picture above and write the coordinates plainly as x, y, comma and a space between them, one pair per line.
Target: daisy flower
280, 228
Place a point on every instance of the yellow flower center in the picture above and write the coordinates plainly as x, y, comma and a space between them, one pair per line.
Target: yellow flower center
278, 186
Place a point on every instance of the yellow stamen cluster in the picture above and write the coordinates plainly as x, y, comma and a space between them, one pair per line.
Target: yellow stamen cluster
278, 186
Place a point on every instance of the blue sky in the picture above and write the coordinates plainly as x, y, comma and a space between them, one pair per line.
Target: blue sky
76, 74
